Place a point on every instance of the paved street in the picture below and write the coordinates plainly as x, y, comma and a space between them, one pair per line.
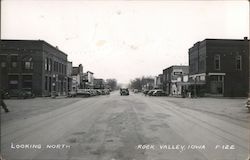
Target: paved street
135, 127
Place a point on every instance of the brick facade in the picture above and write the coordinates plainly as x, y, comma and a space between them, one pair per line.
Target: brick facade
33, 65
222, 64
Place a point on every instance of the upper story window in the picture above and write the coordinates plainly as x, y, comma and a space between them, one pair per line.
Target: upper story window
3, 61
28, 65
59, 67
55, 66
13, 59
167, 77
238, 62
62, 71
27, 62
13, 64
65, 69
49, 64
217, 62
45, 63
3, 64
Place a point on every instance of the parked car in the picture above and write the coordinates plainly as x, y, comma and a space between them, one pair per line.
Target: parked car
99, 92
159, 93
124, 91
21, 93
107, 92
5, 94
136, 90
150, 92
145, 92
92, 92
83, 92
72, 94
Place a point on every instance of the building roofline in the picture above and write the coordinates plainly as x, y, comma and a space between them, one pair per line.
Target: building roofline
218, 39
39, 40
90, 72
176, 66
53, 47
223, 39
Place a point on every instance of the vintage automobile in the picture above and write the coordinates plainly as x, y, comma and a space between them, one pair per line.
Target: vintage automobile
107, 91
23, 94
136, 90
150, 92
72, 94
124, 91
159, 93
83, 93
145, 92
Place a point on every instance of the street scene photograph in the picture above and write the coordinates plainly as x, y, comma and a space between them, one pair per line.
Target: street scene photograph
125, 80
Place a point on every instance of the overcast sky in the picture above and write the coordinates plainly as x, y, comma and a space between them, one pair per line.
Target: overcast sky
124, 39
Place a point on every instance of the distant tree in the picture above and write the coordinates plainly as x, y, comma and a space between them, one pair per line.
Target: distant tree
136, 83
148, 82
142, 83
112, 83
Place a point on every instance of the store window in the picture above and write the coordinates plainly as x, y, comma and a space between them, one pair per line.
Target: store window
13, 81
27, 81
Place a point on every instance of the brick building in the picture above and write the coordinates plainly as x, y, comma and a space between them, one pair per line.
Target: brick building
99, 83
33, 65
77, 78
171, 78
89, 77
220, 67
69, 76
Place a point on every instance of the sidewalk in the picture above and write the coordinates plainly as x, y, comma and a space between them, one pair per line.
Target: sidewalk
24, 108
232, 109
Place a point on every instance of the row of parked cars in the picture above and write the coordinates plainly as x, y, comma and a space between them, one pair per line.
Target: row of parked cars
154, 92
15, 93
24, 94
89, 92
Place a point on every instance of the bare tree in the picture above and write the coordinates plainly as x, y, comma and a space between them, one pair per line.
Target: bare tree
142, 83
112, 83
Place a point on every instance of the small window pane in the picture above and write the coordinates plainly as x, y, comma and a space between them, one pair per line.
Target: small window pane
217, 62
238, 62
3, 64
14, 64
